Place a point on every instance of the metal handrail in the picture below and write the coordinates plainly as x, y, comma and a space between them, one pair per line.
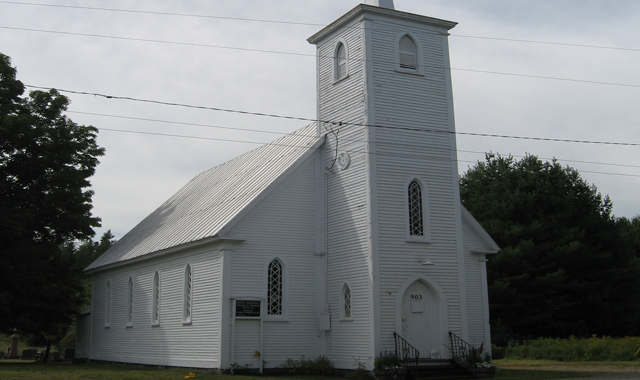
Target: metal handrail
463, 353
408, 354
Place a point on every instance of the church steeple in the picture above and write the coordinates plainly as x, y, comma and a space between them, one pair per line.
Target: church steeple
381, 3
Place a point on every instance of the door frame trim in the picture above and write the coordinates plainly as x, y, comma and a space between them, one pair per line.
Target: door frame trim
441, 300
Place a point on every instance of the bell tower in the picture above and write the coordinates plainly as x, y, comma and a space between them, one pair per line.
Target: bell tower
393, 209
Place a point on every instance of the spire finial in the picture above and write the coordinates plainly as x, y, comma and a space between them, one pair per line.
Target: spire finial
381, 3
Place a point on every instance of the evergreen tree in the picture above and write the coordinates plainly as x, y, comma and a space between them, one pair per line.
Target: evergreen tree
564, 268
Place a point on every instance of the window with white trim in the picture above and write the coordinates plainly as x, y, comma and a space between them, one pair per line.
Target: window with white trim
408, 53
188, 294
274, 288
130, 302
416, 217
346, 302
340, 63
107, 308
155, 311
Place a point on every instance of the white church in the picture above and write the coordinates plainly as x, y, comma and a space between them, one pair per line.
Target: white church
345, 238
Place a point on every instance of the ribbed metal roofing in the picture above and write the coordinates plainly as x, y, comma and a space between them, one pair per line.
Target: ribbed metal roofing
212, 199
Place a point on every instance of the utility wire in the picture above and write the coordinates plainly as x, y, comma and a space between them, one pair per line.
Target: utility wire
275, 143
303, 24
340, 122
342, 138
163, 13
312, 55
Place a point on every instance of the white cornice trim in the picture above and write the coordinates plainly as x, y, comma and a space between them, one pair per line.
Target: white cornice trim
168, 251
360, 10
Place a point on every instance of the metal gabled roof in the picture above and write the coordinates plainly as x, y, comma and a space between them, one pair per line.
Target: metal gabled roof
213, 199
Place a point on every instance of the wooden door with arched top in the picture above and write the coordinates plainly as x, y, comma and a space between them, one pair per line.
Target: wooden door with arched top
421, 319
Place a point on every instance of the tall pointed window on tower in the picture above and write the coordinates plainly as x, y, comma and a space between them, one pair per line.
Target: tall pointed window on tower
416, 218
340, 61
408, 53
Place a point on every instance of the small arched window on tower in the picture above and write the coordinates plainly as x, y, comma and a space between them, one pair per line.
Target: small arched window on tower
408, 53
340, 64
346, 302
274, 288
416, 217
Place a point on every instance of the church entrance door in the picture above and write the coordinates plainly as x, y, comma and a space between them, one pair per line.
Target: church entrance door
422, 320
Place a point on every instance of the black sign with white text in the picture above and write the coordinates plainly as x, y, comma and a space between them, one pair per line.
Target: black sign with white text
247, 308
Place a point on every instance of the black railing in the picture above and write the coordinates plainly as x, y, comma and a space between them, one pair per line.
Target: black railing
463, 353
408, 354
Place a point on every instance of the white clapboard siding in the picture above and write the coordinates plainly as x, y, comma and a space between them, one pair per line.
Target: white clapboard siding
346, 194
419, 104
282, 227
171, 342
475, 296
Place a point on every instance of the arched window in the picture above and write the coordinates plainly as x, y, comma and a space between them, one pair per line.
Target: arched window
155, 312
408, 53
107, 308
130, 302
346, 302
188, 294
416, 217
340, 61
274, 288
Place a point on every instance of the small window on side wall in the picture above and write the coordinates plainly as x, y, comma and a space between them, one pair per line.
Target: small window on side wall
107, 306
188, 294
340, 62
274, 288
130, 303
155, 311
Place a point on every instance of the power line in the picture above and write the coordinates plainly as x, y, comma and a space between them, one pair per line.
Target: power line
164, 13
286, 133
303, 24
309, 55
156, 41
411, 156
545, 42
333, 122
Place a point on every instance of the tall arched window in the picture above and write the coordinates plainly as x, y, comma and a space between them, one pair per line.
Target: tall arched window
155, 311
346, 302
408, 53
188, 294
130, 302
340, 61
107, 308
274, 288
416, 217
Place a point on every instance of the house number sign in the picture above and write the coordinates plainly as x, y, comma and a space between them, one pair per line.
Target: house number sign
247, 309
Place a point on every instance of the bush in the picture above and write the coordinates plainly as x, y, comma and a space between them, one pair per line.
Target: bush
321, 366
575, 349
387, 360
497, 352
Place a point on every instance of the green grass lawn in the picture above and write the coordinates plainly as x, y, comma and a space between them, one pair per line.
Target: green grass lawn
507, 370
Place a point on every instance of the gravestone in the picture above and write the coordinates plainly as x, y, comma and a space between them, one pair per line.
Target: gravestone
29, 354
69, 353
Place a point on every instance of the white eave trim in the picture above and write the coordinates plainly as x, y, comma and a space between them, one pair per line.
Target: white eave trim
479, 232
362, 8
164, 252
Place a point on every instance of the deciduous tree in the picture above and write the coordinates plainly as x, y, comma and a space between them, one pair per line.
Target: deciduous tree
45, 199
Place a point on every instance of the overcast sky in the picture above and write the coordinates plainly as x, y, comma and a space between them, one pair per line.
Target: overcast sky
545, 89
